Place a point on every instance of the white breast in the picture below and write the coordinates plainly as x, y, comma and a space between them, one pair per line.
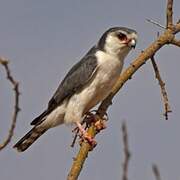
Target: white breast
109, 69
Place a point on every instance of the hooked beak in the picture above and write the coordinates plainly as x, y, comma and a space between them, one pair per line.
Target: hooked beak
132, 43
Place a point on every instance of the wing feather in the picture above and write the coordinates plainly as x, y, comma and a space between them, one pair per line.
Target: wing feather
79, 75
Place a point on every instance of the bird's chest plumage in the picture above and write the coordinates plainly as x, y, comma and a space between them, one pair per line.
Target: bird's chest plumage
97, 89
109, 69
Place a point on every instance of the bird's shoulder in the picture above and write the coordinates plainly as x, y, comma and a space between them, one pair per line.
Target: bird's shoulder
76, 78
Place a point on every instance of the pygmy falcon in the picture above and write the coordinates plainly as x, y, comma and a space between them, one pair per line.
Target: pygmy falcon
88, 82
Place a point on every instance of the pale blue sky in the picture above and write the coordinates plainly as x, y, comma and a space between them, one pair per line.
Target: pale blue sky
43, 39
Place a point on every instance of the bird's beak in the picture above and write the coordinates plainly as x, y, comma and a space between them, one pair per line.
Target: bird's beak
132, 43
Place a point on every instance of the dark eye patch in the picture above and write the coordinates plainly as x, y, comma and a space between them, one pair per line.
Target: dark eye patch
122, 36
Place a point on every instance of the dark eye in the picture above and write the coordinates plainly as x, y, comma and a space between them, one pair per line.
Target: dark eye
122, 37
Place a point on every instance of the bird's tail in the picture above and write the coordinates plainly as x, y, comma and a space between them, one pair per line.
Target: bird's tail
29, 138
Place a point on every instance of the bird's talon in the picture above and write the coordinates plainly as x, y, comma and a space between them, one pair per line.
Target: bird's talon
89, 139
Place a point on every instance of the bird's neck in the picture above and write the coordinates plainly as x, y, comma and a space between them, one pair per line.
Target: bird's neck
118, 54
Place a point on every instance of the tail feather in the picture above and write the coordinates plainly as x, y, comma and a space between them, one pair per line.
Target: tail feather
29, 138
40, 118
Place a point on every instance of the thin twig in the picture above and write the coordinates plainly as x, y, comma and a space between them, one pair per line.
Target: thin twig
156, 172
167, 108
156, 23
169, 14
127, 154
15, 85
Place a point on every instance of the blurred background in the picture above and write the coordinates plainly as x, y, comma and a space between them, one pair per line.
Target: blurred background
43, 39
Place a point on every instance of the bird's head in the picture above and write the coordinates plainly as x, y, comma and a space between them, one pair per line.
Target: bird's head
118, 41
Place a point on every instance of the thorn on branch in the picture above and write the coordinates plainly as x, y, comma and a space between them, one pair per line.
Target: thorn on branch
15, 85
167, 108
126, 152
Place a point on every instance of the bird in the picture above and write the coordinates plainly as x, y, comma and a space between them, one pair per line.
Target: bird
87, 83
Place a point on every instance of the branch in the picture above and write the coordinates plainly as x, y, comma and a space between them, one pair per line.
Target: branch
167, 108
126, 152
156, 172
156, 23
15, 85
81, 156
169, 14
3, 61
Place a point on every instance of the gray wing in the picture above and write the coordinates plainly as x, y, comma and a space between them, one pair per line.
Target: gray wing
76, 79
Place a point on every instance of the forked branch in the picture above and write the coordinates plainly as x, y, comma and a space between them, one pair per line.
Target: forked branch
4, 62
167, 108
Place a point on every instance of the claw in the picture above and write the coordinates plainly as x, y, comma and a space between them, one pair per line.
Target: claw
85, 135
89, 139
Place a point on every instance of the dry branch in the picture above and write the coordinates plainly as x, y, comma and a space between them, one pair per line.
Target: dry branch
81, 156
156, 172
15, 85
165, 38
169, 14
156, 23
167, 108
127, 154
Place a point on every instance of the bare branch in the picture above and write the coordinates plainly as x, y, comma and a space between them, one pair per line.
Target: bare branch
15, 85
126, 152
156, 23
156, 172
167, 108
81, 156
169, 14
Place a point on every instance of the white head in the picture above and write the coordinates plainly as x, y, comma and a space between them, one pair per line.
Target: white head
118, 41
